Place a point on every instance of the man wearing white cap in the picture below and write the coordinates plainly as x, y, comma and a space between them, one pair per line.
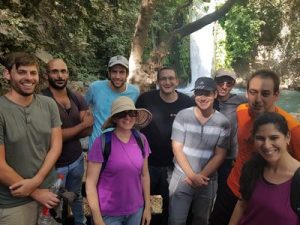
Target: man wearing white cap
101, 94
226, 103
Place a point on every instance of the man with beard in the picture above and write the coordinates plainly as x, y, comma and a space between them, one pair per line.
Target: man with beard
164, 104
101, 94
77, 123
262, 93
30, 144
199, 139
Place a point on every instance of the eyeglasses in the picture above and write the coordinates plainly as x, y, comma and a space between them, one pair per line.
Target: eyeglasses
229, 82
56, 71
205, 93
123, 114
164, 79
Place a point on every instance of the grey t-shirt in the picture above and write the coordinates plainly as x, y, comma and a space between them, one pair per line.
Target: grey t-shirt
25, 133
199, 141
228, 109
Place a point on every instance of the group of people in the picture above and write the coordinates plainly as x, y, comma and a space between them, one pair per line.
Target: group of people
215, 158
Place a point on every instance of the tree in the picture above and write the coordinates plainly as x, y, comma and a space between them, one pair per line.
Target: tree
143, 74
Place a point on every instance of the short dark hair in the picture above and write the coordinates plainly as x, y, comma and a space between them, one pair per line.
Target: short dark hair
20, 59
165, 68
264, 73
109, 69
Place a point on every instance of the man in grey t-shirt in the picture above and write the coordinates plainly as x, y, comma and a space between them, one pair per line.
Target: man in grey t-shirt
30, 143
199, 140
226, 103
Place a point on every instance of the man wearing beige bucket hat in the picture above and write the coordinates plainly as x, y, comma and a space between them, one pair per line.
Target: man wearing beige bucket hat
120, 192
102, 93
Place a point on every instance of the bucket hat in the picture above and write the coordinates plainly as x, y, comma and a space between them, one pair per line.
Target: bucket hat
124, 103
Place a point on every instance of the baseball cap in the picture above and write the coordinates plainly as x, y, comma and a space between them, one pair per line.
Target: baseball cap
223, 72
118, 59
205, 83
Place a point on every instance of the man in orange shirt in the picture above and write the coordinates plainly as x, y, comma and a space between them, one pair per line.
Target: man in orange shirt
262, 93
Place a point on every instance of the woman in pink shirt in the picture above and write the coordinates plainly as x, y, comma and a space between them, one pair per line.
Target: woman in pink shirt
119, 193
265, 183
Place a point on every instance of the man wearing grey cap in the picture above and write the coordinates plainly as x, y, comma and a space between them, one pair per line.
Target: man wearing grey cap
101, 94
226, 103
199, 140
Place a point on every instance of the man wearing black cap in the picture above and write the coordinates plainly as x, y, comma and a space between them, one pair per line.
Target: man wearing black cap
101, 94
199, 139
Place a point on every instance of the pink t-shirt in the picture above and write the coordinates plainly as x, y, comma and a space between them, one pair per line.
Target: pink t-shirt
270, 204
120, 186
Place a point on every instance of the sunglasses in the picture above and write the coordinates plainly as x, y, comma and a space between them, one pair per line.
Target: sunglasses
229, 82
206, 93
123, 114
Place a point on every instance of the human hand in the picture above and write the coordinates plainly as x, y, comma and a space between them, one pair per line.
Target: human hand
45, 197
24, 188
88, 119
146, 216
197, 180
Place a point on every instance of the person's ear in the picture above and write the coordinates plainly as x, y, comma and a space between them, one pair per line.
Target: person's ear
6, 74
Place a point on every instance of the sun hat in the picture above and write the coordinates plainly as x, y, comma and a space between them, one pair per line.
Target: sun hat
223, 73
118, 59
205, 83
124, 103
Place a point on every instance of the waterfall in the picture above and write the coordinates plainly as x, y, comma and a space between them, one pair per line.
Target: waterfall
201, 43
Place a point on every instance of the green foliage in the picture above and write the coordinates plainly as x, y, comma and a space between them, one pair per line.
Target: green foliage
164, 21
242, 26
249, 24
84, 33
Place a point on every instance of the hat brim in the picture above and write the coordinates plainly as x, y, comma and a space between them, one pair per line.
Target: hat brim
118, 63
143, 118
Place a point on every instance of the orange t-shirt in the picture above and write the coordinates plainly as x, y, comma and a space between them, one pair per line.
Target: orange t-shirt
246, 144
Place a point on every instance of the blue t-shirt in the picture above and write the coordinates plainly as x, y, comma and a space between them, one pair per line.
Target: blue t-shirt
100, 97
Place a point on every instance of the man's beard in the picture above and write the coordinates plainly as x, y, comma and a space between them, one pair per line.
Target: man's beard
55, 86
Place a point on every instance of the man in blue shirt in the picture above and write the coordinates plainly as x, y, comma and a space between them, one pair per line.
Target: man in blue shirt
101, 94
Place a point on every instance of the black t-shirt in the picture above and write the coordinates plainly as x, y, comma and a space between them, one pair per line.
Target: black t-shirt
71, 149
158, 132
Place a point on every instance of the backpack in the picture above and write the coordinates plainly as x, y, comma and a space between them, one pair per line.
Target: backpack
106, 144
70, 94
295, 192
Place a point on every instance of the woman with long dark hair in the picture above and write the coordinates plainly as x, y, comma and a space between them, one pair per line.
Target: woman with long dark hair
265, 183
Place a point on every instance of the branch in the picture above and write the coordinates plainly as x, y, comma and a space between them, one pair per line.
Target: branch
205, 20
178, 9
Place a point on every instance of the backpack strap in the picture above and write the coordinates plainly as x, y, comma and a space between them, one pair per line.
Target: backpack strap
106, 147
139, 141
295, 192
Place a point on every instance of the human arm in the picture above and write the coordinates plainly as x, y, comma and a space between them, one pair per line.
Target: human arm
215, 162
25, 187
8, 175
192, 178
93, 173
146, 191
238, 212
83, 129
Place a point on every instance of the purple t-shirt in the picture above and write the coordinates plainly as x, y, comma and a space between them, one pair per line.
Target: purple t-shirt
270, 204
120, 186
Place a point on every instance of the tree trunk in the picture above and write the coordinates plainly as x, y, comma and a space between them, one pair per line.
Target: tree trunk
136, 74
